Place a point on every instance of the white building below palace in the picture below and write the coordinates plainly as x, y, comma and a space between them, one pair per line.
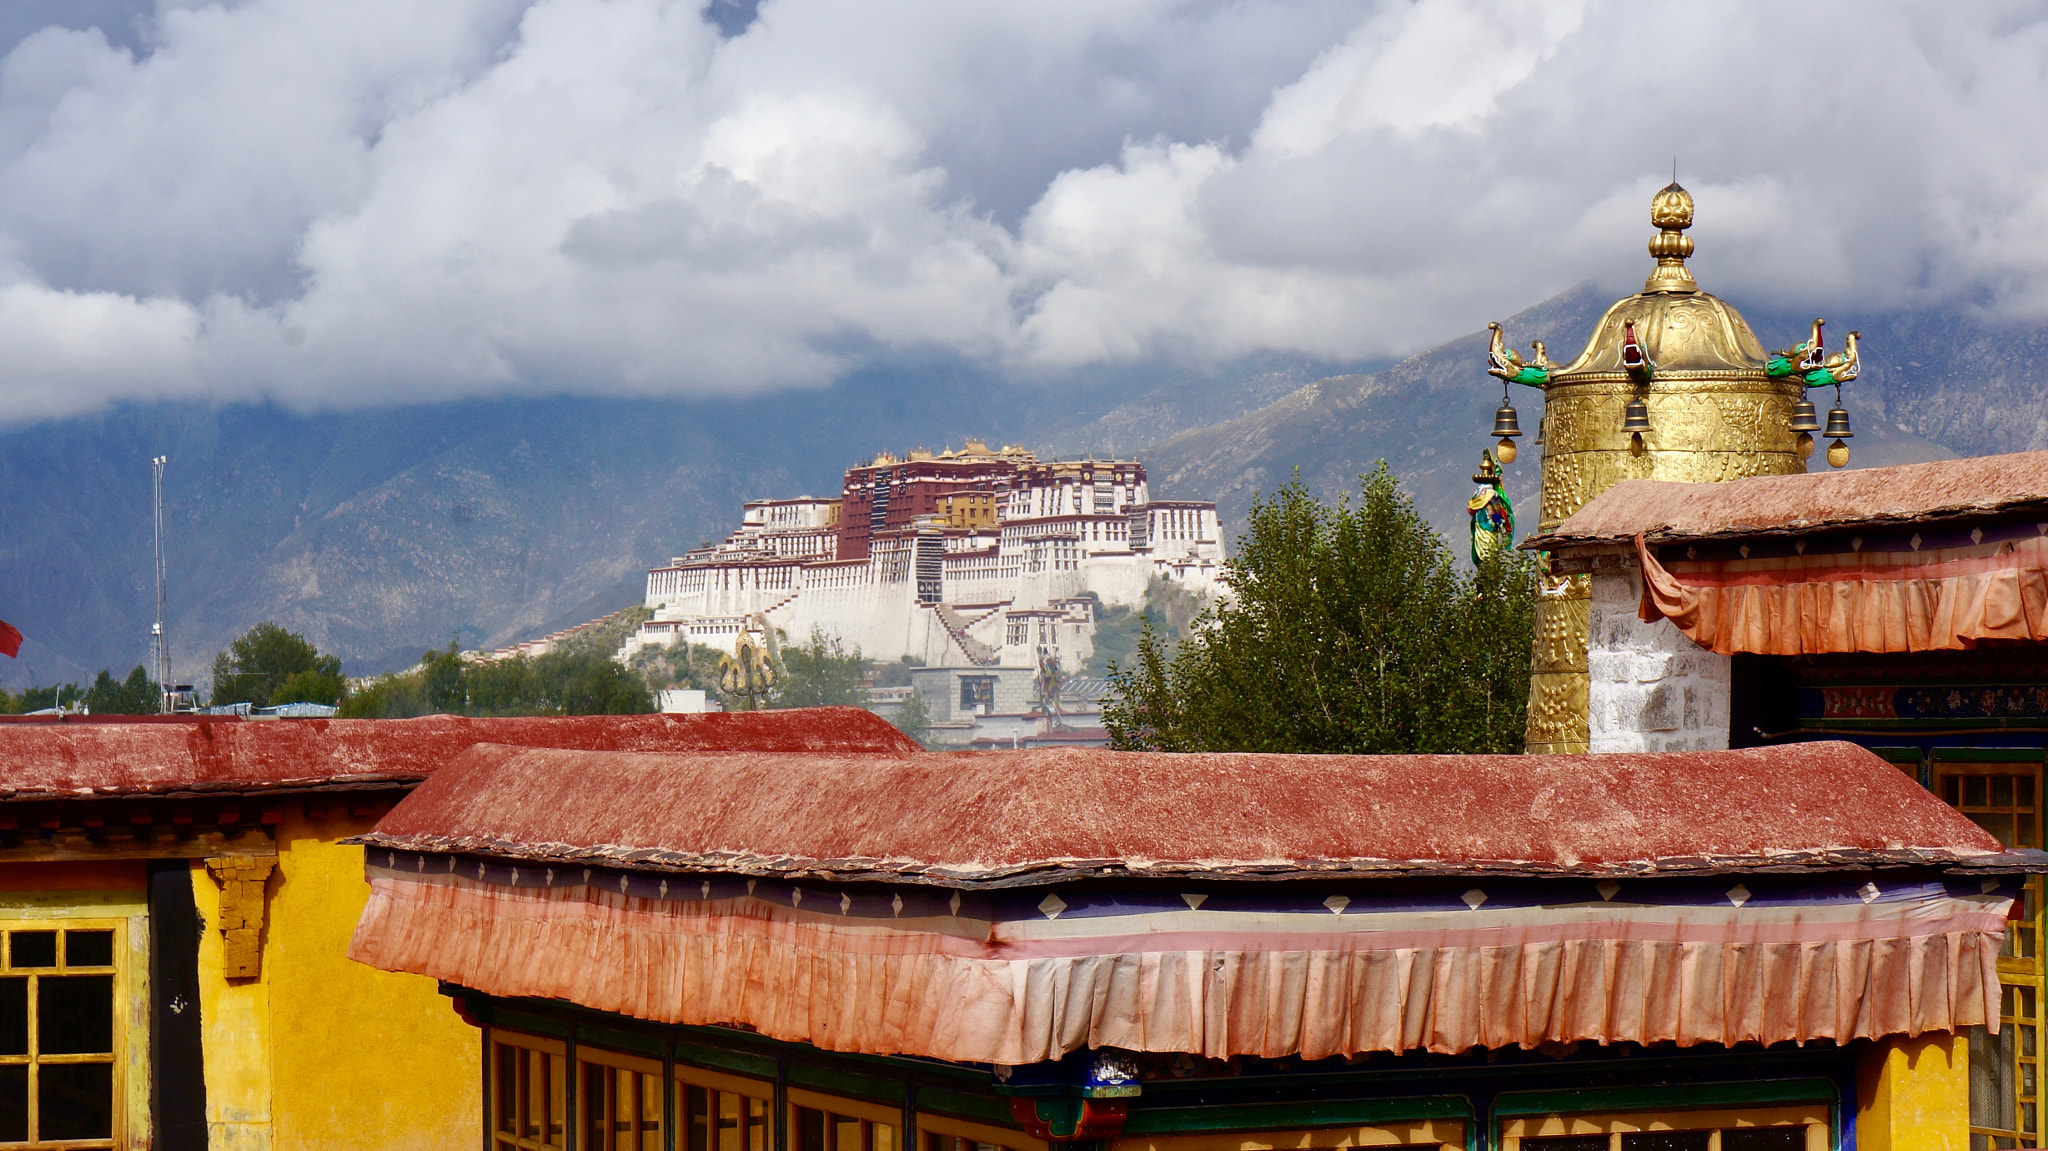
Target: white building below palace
975, 558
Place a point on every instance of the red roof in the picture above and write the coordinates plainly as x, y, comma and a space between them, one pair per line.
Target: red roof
1981, 486
68, 759
1045, 815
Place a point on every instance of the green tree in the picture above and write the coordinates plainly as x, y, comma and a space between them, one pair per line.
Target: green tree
44, 698
136, 695
1168, 609
914, 719
264, 660
821, 673
1347, 629
574, 679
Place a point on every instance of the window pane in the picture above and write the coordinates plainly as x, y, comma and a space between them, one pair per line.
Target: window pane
75, 1014
732, 1117
697, 1127
2000, 825
77, 1100
1764, 1139
534, 1108
507, 1093
14, 1015
810, 1130
1666, 1140
596, 1109
884, 1136
558, 1094
33, 948
625, 1108
1991, 1085
846, 1134
88, 949
758, 1137
14, 1103
650, 1113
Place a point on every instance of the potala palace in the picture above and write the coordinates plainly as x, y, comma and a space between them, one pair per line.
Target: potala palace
968, 558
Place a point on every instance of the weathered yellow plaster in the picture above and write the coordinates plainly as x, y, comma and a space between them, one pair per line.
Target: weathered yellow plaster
1914, 1094
235, 1037
319, 1052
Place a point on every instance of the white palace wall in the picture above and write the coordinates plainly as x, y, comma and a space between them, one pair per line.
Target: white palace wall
1029, 579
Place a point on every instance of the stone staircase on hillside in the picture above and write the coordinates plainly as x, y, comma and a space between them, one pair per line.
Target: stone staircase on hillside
978, 653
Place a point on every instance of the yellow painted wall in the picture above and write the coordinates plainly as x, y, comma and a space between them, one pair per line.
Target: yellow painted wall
1914, 1095
321, 1052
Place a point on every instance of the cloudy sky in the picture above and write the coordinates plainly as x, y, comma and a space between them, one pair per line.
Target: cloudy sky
363, 201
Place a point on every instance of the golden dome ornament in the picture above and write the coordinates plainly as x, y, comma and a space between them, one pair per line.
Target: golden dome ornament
1726, 408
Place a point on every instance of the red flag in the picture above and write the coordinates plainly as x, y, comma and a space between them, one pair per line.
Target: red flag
10, 640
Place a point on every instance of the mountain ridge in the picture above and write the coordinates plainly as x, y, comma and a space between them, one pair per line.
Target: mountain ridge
382, 533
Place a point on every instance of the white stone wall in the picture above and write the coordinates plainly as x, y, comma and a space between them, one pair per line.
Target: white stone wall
1651, 688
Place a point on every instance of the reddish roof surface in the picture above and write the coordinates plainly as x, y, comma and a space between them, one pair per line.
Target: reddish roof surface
69, 759
1046, 815
1982, 486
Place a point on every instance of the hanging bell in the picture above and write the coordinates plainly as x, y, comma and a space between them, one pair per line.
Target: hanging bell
1507, 426
1803, 417
1636, 417
1838, 424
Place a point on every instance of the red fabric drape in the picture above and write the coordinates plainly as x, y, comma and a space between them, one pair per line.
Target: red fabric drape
10, 640
1854, 602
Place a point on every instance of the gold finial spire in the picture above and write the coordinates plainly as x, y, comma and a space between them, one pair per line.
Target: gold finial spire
1671, 212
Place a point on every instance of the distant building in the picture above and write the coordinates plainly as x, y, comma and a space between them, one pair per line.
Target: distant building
985, 708
968, 558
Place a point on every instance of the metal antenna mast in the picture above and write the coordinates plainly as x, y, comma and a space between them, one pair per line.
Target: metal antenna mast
159, 642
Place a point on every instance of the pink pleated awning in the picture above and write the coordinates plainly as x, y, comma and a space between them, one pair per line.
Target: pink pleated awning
1010, 907
1901, 600
1049, 971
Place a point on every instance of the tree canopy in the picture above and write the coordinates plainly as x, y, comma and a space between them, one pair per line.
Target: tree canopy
1345, 629
820, 672
135, 695
268, 665
578, 677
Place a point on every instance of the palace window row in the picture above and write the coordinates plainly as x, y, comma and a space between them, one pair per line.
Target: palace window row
540, 1094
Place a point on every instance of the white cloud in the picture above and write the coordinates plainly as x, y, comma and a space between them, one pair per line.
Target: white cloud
381, 201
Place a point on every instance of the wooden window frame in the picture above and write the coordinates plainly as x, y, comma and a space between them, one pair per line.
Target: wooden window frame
125, 1040
618, 1061
1447, 1134
868, 1113
686, 1076
2022, 978
1815, 1117
547, 1048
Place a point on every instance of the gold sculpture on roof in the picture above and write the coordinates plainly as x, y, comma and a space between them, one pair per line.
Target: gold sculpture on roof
1672, 385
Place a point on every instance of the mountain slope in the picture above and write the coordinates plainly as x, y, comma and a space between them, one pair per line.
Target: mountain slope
381, 533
